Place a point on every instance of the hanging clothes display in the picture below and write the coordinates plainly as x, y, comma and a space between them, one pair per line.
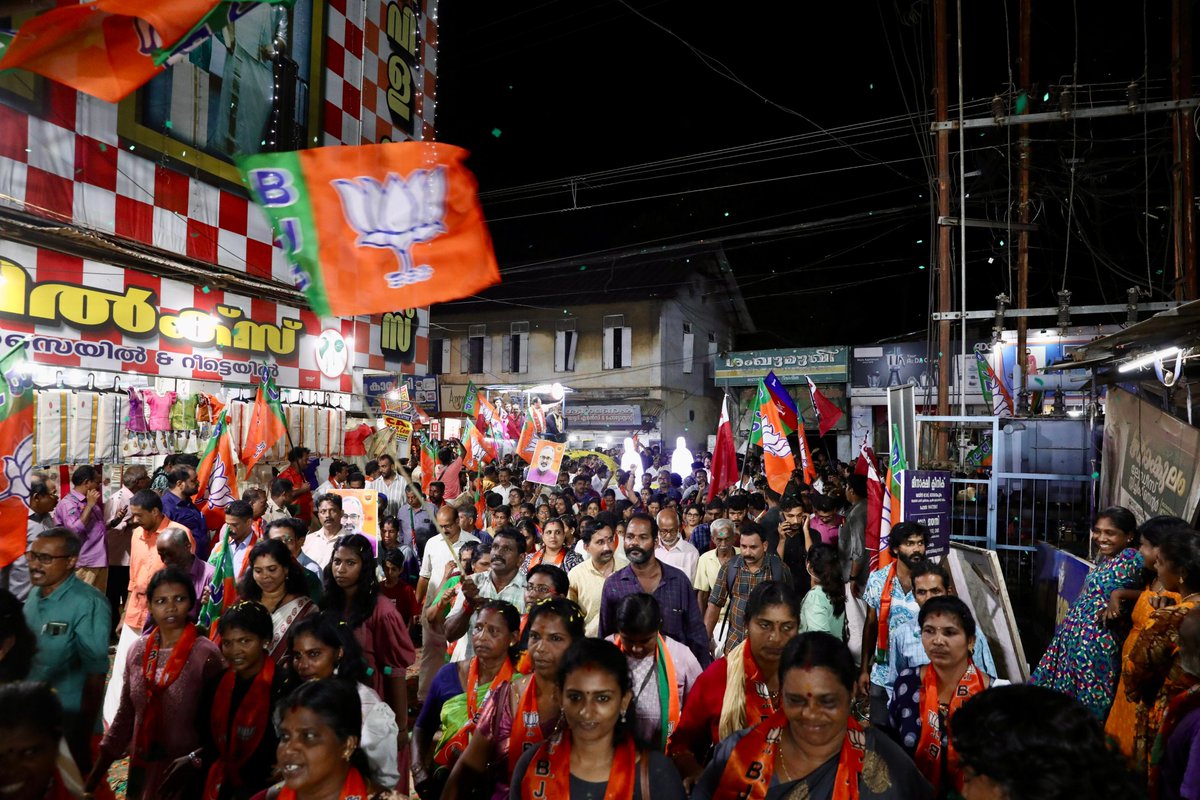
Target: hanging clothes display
50, 428
183, 413
158, 409
83, 425
137, 412
110, 428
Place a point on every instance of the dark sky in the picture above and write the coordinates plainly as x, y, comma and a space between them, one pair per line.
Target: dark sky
556, 90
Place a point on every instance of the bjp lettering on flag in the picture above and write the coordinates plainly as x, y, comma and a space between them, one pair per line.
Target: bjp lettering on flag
377, 227
480, 451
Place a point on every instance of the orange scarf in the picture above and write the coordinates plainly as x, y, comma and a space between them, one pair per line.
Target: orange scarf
457, 743
540, 556
756, 690
147, 739
747, 774
668, 688
526, 727
885, 611
250, 723
354, 788
929, 750
549, 773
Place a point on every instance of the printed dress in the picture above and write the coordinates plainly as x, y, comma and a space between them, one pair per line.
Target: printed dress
1123, 717
1083, 659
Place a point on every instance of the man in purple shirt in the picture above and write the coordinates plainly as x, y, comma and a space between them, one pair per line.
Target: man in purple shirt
175, 551
681, 617
82, 513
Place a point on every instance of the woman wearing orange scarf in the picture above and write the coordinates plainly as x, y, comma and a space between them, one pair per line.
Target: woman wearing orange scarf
524, 713
812, 740
554, 549
162, 717
318, 753
597, 755
927, 697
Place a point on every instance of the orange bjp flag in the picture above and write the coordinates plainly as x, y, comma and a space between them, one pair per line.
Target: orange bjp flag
777, 453
106, 48
267, 423
373, 228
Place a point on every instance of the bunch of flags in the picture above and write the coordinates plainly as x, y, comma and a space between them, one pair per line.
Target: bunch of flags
995, 393
875, 504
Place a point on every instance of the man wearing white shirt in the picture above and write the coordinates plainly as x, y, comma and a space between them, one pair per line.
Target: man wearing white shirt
439, 552
318, 545
672, 548
338, 472
390, 484
505, 485
413, 516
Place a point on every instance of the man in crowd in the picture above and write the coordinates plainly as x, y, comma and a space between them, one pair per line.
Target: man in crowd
503, 581
72, 622
414, 516
174, 551
737, 508
672, 548
339, 471
907, 545
725, 538
301, 489
120, 533
42, 500
182, 486
319, 545
391, 484
281, 498
681, 616
587, 579
852, 537
581, 487
468, 522
737, 579
145, 509
82, 513
791, 544
440, 551
437, 494
504, 485
292, 532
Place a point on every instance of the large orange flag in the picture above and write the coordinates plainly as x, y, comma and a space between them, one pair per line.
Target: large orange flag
374, 228
106, 48
267, 424
777, 453
480, 451
16, 451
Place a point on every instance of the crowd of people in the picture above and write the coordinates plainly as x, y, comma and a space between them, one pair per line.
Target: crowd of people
607, 637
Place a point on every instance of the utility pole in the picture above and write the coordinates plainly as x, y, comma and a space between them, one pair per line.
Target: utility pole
1024, 156
945, 300
1182, 194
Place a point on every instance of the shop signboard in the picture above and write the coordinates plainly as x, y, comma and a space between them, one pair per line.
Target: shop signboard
876, 368
604, 416
927, 499
792, 365
84, 314
422, 389
1150, 459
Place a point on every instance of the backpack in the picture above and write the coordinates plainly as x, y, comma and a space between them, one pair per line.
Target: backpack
736, 563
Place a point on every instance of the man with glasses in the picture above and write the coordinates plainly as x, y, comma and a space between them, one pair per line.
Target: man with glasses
42, 500
72, 621
672, 548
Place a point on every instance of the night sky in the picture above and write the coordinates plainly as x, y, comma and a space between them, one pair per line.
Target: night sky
733, 97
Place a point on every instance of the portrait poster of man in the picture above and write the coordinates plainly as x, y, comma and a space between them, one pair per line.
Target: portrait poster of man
360, 511
547, 460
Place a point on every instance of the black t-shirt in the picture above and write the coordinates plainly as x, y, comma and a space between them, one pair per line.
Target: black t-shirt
664, 780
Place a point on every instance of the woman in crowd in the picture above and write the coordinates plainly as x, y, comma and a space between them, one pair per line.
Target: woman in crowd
524, 713
531, 533
570, 525
389, 533
277, 582
824, 607
161, 720
543, 516
662, 669
458, 693
1122, 716
1082, 658
321, 649
742, 688
812, 745
352, 595
319, 754
1153, 675
561, 504
17, 642
1016, 742
240, 750
693, 516
597, 755
927, 697
31, 730
396, 589
553, 550
481, 561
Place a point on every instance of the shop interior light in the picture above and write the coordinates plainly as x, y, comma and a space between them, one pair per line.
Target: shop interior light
1147, 360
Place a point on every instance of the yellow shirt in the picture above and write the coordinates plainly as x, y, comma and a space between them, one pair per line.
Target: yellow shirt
587, 585
707, 569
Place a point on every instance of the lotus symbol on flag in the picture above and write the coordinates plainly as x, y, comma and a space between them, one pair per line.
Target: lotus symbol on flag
219, 495
773, 442
395, 215
16, 471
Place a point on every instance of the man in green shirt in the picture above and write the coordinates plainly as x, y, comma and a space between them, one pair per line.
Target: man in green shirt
72, 622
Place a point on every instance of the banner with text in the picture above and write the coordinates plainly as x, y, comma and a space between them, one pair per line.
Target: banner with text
927, 499
1150, 459
793, 365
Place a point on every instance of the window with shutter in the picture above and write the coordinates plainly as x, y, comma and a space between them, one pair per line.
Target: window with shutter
689, 344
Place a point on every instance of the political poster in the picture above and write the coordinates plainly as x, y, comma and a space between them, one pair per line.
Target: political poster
927, 499
360, 511
547, 460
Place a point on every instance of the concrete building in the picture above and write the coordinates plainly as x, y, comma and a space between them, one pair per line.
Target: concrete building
634, 344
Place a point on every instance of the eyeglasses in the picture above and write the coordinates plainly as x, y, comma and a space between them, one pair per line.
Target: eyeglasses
42, 558
539, 589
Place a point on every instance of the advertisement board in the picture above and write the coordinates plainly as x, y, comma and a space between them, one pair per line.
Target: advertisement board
927, 498
876, 368
1150, 459
822, 364
604, 416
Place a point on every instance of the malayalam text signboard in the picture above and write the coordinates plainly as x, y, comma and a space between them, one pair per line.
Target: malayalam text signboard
1150, 459
928, 500
823, 364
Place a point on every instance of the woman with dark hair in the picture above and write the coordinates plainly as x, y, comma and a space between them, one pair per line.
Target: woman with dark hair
812, 745
323, 650
531, 533
240, 750
17, 642
352, 595
742, 688
162, 717
459, 692
662, 669
926, 697
597, 754
1027, 742
31, 731
278, 583
523, 713
554, 550
1122, 717
319, 753
824, 607
1152, 672
1081, 660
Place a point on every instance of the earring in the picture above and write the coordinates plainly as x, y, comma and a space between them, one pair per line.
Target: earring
346, 755
622, 715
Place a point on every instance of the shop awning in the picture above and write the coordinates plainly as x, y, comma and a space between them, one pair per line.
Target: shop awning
1176, 327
